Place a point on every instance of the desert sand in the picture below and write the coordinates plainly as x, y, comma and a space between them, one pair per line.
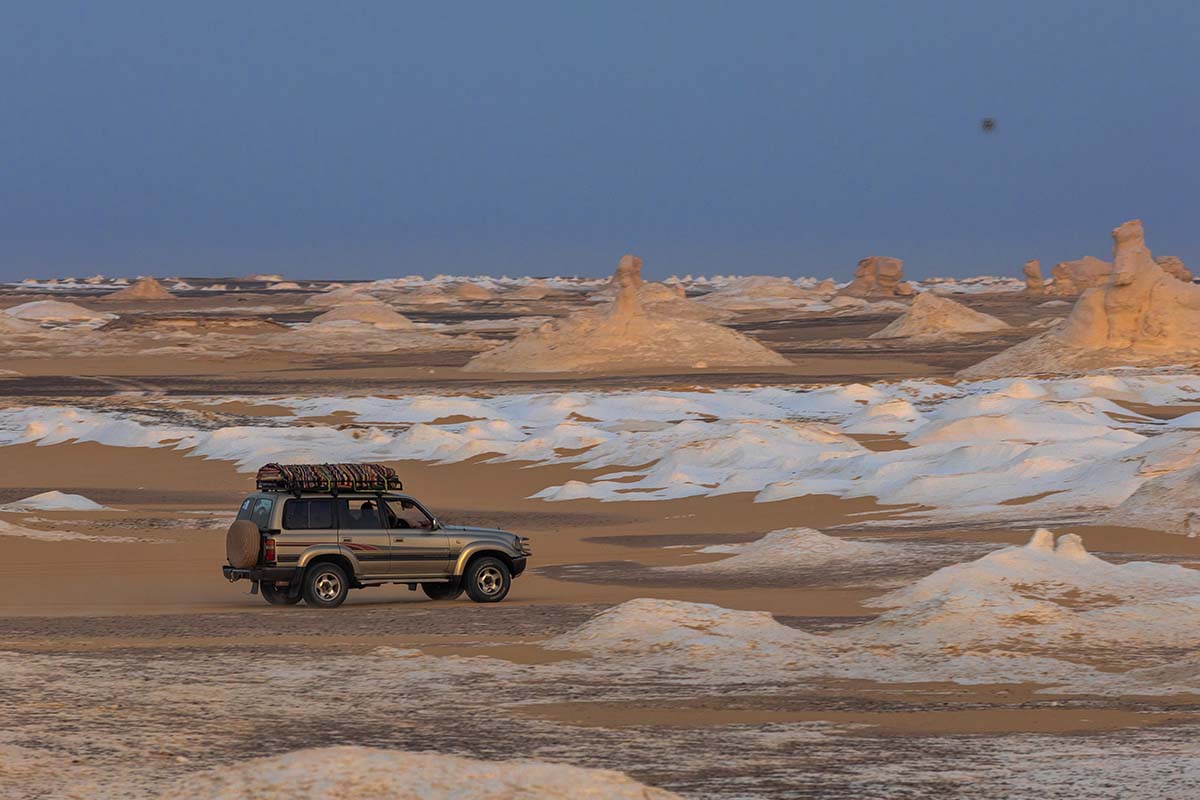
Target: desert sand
773, 549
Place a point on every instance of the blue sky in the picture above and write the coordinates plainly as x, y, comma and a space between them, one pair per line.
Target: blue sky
369, 139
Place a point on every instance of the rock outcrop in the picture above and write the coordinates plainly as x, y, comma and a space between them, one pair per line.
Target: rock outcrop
374, 313
878, 276
1174, 266
1033, 277
56, 311
472, 291
1141, 317
340, 296
145, 288
629, 271
625, 336
935, 317
1075, 277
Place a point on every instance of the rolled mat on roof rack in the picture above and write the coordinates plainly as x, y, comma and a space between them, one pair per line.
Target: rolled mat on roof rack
327, 478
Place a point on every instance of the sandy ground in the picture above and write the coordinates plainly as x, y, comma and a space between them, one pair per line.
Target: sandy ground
135, 663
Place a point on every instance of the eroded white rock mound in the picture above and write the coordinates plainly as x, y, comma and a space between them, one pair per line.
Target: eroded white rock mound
1141, 317
146, 288
340, 296
790, 548
935, 317
375, 313
473, 291
56, 501
398, 775
625, 336
56, 311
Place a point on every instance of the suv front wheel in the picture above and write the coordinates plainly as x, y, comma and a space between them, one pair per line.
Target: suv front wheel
488, 580
325, 586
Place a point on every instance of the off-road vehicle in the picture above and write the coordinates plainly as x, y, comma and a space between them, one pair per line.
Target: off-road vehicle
314, 532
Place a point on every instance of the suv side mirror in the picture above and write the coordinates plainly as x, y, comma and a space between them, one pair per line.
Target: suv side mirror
437, 524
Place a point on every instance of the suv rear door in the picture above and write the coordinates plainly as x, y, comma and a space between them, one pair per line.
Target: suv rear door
306, 521
360, 528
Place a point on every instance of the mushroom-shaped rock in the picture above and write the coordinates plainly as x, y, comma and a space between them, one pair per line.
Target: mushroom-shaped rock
1033, 277
876, 275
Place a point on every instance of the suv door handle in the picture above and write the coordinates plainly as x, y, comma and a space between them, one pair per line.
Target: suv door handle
347, 539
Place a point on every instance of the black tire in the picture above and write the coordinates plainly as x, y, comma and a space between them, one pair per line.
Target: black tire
277, 595
488, 580
325, 586
443, 591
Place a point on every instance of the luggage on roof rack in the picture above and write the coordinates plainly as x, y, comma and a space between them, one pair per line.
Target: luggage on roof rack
331, 478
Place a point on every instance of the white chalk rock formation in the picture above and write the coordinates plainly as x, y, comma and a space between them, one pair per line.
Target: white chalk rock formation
623, 337
1174, 266
1034, 284
1170, 503
339, 296
12, 326
932, 316
55, 500
425, 296
878, 275
1141, 317
1074, 277
472, 291
146, 288
758, 292
362, 772
56, 311
373, 313
628, 272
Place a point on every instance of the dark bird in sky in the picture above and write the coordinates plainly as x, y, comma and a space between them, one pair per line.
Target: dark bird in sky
987, 124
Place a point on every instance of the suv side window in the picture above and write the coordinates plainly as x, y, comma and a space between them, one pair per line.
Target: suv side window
247, 507
261, 515
403, 514
300, 515
257, 510
359, 515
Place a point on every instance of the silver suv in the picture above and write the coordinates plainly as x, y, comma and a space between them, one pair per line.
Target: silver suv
318, 546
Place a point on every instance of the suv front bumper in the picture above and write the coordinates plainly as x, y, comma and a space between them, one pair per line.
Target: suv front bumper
259, 574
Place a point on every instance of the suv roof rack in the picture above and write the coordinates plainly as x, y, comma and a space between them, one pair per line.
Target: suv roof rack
327, 478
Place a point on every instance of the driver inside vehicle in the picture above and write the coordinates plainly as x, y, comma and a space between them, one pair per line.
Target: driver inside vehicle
406, 515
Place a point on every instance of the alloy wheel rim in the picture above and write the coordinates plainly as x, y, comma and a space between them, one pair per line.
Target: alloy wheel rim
490, 580
328, 586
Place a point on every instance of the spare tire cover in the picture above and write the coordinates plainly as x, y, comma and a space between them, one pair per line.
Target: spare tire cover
242, 544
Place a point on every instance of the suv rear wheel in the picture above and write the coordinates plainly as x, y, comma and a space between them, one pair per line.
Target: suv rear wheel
325, 586
443, 591
277, 595
488, 580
